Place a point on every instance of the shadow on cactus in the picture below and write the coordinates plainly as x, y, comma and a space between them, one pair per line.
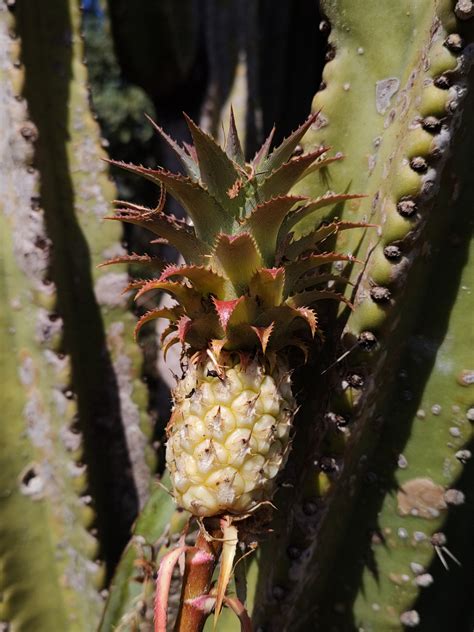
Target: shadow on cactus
244, 316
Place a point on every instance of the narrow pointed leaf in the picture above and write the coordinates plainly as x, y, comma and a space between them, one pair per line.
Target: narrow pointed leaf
191, 151
307, 298
262, 153
266, 286
297, 247
229, 547
238, 257
233, 147
224, 309
189, 164
163, 583
284, 319
204, 280
187, 297
263, 334
280, 181
156, 262
134, 285
175, 231
311, 280
235, 316
218, 172
183, 327
171, 329
265, 221
315, 205
310, 317
295, 269
170, 343
171, 314
207, 215
281, 154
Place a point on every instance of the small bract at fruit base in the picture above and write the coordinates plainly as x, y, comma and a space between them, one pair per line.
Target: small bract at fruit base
244, 297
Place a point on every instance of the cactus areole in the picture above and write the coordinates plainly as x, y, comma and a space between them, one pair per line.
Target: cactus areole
243, 299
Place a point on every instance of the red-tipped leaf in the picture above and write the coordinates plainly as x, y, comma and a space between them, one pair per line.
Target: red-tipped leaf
203, 279
207, 215
281, 154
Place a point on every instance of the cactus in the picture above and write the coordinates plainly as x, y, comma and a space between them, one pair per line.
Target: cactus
49, 577
53, 237
432, 397
400, 179
366, 515
106, 371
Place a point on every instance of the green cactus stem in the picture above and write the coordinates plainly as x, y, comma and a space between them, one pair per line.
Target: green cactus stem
394, 117
49, 579
433, 396
75, 190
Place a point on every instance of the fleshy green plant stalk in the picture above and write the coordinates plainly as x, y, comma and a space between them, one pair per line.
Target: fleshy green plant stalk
397, 139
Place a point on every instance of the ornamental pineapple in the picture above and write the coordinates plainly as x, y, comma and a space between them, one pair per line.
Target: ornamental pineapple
228, 436
243, 298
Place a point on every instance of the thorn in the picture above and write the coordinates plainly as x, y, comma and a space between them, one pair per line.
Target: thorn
340, 358
453, 557
440, 555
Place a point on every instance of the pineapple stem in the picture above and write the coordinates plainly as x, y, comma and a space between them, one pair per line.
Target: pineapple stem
200, 565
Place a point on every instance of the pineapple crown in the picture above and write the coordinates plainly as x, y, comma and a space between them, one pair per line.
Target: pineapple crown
248, 281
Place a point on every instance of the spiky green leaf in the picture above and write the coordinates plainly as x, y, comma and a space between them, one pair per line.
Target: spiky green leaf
191, 166
266, 286
187, 297
204, 280
170, 313
218, 172
265, 221
233, 147
155, 262
262, 153
304, 299
175, 231
206, 213
315, 205
238, 257
296, 269
283, 152
309, 242
280, 181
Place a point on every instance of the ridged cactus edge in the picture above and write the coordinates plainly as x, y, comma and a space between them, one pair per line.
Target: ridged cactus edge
397, 135
75, 189
45, 508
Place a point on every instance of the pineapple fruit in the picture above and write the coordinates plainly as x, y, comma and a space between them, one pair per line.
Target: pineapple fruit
243, 299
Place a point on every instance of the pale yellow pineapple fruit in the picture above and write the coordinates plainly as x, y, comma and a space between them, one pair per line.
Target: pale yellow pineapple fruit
229, 437
242, 300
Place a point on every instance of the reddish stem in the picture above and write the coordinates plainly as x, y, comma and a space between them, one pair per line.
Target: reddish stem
201, 562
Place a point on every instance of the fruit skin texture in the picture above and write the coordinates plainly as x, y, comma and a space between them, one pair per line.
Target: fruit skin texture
229, 436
